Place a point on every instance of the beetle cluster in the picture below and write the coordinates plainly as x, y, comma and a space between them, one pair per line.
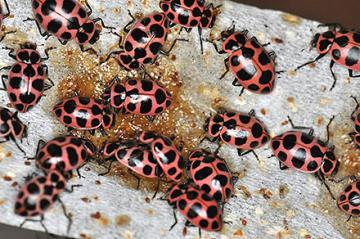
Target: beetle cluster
209, 183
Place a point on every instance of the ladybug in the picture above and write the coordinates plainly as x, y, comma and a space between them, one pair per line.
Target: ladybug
136, 157
144, 97
39, 194
166, 154
305, 153
67, 20
349, 199
355, 116
83, 113
11, 128
211, 174
196, 206
343, 46
64, 153
143, 42
189, 14
253, 66
240, 130
26, 78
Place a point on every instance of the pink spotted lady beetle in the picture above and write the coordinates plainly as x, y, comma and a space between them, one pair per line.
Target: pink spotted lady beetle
196, 206
252, 65
189, 14
11, 128
349, 199
240, 130
39, 194
67, 20
83, 113
343, 46
144, 97
305, 153
65, 153
166, 154
26, 79
211, 174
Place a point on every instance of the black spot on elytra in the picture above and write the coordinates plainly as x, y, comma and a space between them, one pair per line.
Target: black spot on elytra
73, 156
128, 46
247, 52
266, 77
353, 56
257, 130
16, 68
289, 141
282, 156
33, 188
81, 122
139, 35
70, 106
299, 158
29, 71
54, 25
275, 144
155, 47
160, 96
68, 6
212, 211
336, 54
15, 82
342, 41
44, 204
139, 53
312, 165
246, 73
27, 98
145, 106
203, 173
253, 87
316, 152
147, 170
54, 150
157, 30
264, 59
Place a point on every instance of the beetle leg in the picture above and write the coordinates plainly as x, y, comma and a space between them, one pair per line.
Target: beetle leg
17, 145
63, 42
332, 63
5, 34
7, 9
157, 187
129, 24
89, 7
39, 145
226, 62
111, 54
71, 190
351, 74
41, 221
137, 179
282, 166
109, 166
47, 53
3, 79
102, 23
236, 82
328, 130
42, 33
349, 218
201, 42
67, 215
310, 62
10, 54
176, 221
322, 179
240, 153
311, 130
90, 49
151, 119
